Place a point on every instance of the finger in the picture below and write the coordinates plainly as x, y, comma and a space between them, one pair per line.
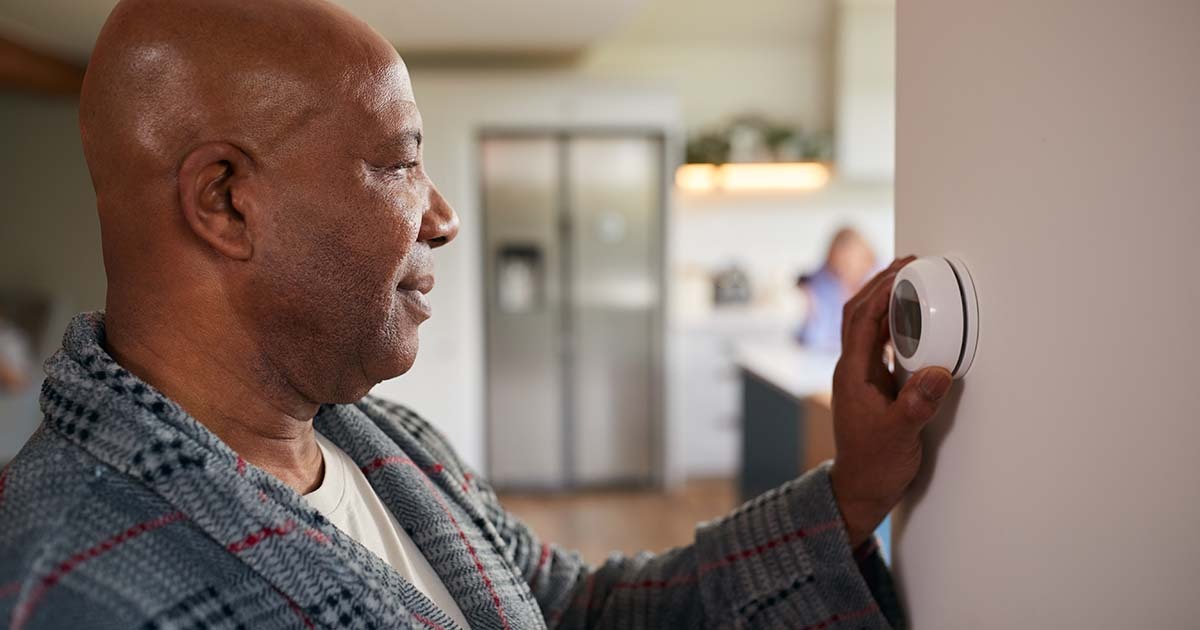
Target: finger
884, 276
853, 302
883, 279
861, 344
851, 305
918, 401
863, 339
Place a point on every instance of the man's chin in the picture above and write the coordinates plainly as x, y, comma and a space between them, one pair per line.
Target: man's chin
385, 370
399, 359
385, 356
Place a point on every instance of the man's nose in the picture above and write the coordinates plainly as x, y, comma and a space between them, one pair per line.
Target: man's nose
439, 224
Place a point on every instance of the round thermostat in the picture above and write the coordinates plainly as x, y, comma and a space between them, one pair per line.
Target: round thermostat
934, 315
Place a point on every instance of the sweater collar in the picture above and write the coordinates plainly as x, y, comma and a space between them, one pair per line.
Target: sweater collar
129, 425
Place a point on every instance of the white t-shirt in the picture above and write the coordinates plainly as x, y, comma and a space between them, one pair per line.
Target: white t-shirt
348, 501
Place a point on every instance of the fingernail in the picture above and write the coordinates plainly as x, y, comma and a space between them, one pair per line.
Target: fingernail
935, 383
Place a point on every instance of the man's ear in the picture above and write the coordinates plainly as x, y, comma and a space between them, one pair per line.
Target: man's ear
215, 198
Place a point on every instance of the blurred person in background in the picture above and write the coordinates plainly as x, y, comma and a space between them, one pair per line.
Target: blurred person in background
848, 264
209, 454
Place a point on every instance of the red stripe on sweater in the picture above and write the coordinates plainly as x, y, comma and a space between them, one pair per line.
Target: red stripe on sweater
678, 580
241, 465
294, 607
435, 469
537, 577
589, 589
256, 537
317, 535
380, 462
23, 611
769, 545
428, 622
692, 578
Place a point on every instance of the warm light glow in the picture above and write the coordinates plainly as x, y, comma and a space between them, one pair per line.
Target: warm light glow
696, 177
790, 176
793, 176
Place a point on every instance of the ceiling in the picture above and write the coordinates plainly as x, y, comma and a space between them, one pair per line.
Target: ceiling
746, 22
69, 27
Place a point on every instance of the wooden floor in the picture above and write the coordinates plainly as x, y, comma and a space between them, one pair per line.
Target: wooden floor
597, 523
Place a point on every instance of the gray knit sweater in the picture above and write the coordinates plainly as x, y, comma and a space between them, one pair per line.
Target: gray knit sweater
123, 511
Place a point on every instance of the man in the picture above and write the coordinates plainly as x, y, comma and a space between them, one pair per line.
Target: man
267, 230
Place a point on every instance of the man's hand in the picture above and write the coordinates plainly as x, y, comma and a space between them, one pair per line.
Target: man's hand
877, 430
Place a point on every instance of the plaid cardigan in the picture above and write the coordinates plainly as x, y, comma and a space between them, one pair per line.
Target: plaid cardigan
123, 511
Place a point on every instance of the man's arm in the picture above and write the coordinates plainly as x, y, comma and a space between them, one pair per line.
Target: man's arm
782, 560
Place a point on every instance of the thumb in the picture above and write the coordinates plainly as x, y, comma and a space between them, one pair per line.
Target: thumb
922, 394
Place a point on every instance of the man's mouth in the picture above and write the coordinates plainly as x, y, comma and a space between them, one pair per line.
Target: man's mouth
422, 284
413, 291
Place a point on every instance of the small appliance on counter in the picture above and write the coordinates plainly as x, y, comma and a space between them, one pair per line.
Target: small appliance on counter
731, 285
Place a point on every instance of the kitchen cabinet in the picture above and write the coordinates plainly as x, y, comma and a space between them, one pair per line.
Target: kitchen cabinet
705, 390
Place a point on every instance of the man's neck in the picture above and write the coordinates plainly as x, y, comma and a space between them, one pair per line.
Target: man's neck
219, 380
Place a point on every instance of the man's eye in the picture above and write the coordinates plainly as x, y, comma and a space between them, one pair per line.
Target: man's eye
394, 168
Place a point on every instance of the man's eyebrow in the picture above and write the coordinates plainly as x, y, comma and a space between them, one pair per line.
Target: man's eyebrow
402, 140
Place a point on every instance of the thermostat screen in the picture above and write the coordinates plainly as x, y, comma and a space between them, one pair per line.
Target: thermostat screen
906, 319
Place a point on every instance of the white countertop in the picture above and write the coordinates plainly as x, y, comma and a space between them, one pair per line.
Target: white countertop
736, 319
789, 366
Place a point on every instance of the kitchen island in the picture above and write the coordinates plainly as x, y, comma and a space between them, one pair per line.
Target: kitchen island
786, 421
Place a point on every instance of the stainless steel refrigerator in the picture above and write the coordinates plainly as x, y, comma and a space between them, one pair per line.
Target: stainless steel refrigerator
573, 237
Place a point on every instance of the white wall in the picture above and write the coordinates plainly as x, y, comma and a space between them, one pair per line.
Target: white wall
1055, 145
769, 57
866, 93
50, 236
770, 233
787, 83
49, 233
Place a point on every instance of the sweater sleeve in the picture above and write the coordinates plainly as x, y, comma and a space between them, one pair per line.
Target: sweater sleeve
782, 560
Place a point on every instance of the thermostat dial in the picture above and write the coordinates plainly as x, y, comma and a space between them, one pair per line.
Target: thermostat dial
934, 315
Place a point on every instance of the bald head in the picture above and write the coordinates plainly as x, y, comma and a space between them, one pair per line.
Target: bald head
167, 75
257, 166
